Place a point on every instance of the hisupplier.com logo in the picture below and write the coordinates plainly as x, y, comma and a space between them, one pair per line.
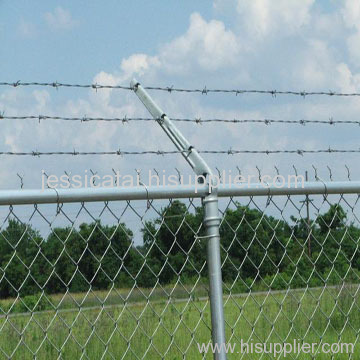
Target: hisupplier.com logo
116, 179
277, 349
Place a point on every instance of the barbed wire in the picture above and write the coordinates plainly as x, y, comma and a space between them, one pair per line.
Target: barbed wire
161, 152
198, 120
171, 89
57, 85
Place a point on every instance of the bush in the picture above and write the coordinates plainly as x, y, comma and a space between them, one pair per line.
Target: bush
32, 303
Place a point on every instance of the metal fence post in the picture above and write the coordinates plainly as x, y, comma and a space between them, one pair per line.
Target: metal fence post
212, 223
211, 217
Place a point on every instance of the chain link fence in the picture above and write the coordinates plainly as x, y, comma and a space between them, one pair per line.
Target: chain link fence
180, 272
128, 279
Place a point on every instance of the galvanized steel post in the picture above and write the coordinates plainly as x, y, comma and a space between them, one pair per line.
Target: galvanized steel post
212, 224
211, 217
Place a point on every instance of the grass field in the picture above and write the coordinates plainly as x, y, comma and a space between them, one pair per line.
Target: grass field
168, 329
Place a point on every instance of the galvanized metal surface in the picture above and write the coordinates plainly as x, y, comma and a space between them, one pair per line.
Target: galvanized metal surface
50, 196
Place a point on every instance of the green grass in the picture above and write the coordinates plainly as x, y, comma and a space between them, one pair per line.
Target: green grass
166, 330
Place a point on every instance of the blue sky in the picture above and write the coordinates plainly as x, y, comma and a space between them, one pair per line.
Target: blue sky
94, 37
284, 45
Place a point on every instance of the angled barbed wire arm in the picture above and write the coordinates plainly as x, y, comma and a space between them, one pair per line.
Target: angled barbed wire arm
211, 215
188, 151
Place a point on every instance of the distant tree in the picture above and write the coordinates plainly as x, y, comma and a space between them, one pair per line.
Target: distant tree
253, 244
331, 240
21, 261
95, 256
334, 248
333, 219
171, 243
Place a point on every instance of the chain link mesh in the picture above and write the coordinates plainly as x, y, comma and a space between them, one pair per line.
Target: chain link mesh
128, 279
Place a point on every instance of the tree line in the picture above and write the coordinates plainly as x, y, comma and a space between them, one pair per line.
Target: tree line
255, 248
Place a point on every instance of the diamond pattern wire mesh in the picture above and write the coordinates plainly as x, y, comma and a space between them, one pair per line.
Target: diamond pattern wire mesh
294, 277
128, 279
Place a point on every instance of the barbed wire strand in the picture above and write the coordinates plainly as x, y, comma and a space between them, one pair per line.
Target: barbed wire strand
200, 121
160, 152
171, 89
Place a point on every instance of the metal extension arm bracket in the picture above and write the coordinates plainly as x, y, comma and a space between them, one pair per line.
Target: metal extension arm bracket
188, 151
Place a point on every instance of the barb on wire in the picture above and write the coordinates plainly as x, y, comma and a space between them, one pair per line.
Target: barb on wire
125, 120
277, 170
68, 175
259, 172
115, 173
138, 175
179, 175
47, 178
330, 172
315, 173
21, 177
295, 169
348, 172
219, 173
93, 173
172, 89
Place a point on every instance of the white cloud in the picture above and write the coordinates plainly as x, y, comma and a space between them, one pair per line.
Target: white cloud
59, 19
205, 46
351, 13
208, 45
353, 44
316, 65
102, 98
138, 64
263, 17
42, 100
